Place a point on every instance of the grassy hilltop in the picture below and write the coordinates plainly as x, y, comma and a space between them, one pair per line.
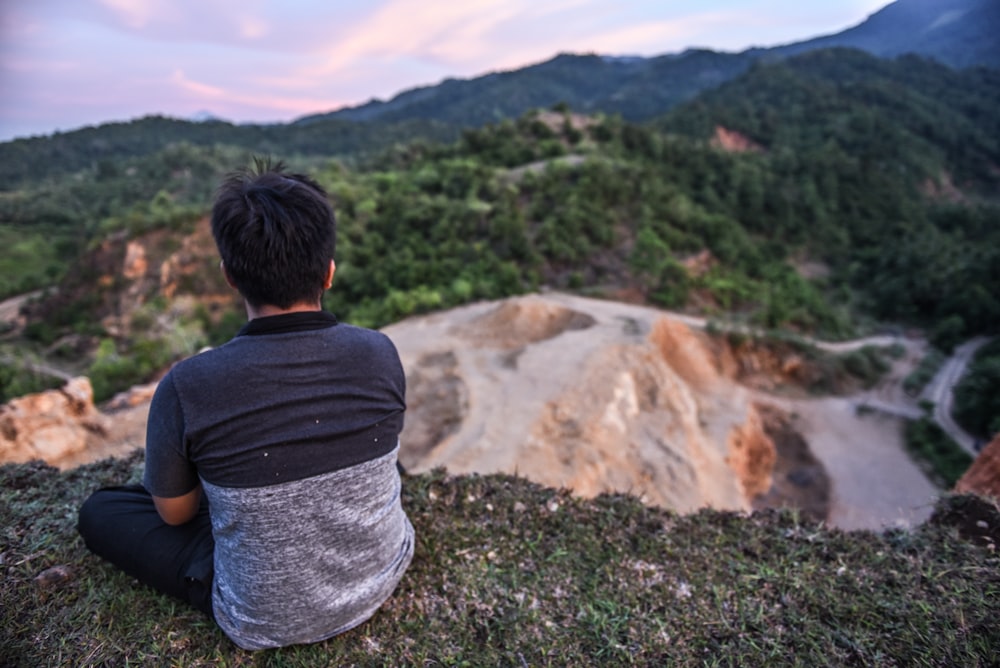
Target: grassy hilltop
509, 573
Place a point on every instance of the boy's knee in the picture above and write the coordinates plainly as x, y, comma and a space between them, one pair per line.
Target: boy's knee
96, 516
88, 518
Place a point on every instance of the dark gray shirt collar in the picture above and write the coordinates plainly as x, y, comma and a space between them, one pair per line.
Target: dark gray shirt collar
300, 321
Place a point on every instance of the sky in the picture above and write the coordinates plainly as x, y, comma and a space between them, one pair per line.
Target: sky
65, 64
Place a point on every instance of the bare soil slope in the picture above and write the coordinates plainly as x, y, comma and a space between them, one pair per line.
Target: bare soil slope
601, 396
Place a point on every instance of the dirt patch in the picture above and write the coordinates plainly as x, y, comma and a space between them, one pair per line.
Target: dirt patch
977, 518
437, 402
685, 351
874, 482
518, 323
734, 142
799, 480
983, 477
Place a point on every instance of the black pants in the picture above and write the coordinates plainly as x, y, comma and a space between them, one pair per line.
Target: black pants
121, 525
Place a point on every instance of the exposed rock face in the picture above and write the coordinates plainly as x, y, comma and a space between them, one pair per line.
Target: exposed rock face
983, 477
132, 271
52, 426
590, 395
734, 142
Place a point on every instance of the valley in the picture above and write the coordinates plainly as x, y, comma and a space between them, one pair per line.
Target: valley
480, 412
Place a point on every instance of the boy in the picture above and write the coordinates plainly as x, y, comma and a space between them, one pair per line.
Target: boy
270, 497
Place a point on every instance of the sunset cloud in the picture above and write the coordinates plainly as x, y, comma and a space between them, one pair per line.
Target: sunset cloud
210, 96
203, 90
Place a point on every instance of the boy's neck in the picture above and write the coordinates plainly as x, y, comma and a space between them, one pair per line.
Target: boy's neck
267, 310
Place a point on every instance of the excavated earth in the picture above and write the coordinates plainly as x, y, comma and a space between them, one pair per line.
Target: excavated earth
595, 396
605, 396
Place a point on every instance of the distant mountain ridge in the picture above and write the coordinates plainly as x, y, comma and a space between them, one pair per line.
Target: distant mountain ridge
957, 33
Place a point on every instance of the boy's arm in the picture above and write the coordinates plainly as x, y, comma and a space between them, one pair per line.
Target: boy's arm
168, 470
179, 509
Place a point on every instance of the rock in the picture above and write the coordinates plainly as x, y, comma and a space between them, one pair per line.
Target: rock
139, 395
52, 425
983, 477
55, 576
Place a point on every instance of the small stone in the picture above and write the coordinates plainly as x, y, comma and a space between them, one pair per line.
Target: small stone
52, 577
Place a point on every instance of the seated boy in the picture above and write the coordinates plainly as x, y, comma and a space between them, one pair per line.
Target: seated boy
271, 496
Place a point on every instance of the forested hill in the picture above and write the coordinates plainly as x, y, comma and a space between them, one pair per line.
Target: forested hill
888, 170
957, 33
635, 88
26, 161
908, 115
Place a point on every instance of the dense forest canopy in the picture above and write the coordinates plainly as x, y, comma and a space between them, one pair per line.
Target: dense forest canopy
865, 192
24, 162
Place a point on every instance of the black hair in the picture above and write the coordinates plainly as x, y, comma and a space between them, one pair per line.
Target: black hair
276, 234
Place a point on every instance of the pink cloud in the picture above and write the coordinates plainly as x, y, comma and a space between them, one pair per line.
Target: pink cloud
205, 95
199, 89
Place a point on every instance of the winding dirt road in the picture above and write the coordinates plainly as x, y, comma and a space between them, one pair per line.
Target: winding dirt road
941, 391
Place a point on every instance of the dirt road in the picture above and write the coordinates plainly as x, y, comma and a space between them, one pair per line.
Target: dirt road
875, 483
941, 391
10, 309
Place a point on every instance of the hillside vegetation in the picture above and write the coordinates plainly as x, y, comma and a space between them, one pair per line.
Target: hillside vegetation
508, 573
866, 193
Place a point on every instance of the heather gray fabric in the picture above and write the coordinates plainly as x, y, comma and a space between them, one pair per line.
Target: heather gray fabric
305, 560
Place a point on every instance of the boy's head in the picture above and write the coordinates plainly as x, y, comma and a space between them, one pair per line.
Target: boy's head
276, 234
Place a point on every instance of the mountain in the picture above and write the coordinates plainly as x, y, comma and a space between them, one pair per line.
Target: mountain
34, 159
957, 33
635, 88
911, 113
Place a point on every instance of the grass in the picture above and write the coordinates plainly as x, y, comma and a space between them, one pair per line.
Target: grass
509, 573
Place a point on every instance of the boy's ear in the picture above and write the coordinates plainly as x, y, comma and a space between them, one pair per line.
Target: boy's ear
329, 275
229, 279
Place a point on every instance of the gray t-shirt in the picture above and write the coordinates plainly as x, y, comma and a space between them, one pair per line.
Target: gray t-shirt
292, 429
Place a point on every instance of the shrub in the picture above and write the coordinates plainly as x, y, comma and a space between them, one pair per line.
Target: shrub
943, 460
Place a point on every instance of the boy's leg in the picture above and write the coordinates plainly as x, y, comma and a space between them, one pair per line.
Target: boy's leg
121, 525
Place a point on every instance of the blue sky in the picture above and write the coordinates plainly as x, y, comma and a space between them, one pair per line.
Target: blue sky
69, 63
